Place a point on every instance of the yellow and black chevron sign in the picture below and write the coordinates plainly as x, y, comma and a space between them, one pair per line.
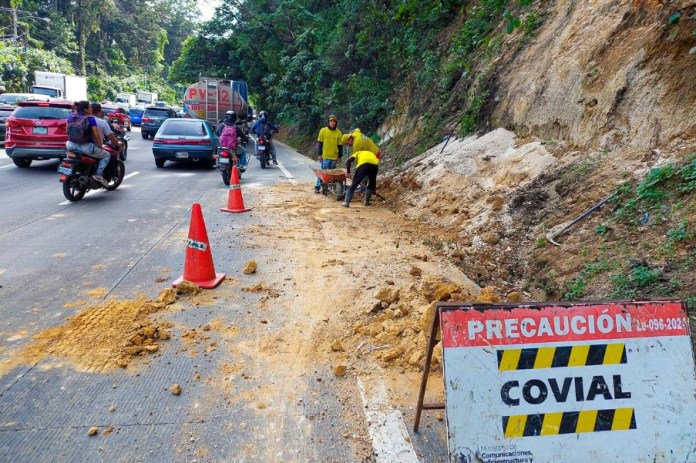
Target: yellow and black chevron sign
552, 424
561, 356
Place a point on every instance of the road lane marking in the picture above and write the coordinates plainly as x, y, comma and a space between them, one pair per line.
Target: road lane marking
5, 167
287, 174
95, 192
386, 426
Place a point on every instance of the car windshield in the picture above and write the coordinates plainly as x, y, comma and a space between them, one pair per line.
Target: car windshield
41, 112
136, 111
5, 112
184, 128
152, 112
109, 109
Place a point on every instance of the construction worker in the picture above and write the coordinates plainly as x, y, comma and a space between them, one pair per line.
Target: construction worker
329, 149
360, 142
367, 165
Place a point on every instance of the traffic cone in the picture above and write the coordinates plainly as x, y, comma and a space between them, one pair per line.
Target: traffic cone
235, 202
198, 262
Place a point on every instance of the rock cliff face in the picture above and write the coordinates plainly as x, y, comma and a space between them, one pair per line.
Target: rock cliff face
600, 105
603, 74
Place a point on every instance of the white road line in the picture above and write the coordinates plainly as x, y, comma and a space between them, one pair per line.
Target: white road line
390, 439
95, 192
5, 167
287, 174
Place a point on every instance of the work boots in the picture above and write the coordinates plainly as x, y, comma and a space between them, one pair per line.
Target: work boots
368, 195
349, 196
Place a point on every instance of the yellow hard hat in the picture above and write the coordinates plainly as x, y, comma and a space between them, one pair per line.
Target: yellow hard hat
345, 138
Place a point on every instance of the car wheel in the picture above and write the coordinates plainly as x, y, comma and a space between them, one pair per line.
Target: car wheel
144, 135
159, 162
21, 162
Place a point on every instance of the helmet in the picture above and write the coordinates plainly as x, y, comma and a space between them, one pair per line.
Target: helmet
263, 114
333, 118
345, 138
230, 116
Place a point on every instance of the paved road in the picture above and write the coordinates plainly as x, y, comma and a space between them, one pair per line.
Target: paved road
52, 252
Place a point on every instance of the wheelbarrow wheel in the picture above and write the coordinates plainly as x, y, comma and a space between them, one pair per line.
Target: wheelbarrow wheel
339, 190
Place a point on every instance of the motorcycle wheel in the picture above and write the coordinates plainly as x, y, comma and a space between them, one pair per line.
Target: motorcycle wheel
124, 154
130, 126
73, 191
225, 177
262, 158
116, 180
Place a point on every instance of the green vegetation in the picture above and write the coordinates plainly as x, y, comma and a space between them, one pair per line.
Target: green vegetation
120, 45
305, 59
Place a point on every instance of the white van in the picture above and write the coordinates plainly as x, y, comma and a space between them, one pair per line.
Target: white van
14, 98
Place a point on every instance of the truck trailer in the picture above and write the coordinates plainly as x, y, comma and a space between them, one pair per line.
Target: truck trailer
210, 98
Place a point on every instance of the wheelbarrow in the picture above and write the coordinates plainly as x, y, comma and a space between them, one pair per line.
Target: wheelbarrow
332, 181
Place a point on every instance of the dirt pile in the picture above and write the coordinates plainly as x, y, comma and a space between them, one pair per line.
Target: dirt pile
102, 336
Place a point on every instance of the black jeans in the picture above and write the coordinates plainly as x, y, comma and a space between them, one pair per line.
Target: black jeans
365, 170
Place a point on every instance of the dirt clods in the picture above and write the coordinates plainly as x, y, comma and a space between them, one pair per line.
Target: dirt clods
175, 389
249, 267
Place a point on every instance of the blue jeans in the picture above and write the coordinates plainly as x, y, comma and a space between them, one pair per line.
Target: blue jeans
325, 164
242, 156
93, 151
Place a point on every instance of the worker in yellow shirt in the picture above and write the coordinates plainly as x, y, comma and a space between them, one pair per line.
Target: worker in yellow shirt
360, 142
366, 165
329, 149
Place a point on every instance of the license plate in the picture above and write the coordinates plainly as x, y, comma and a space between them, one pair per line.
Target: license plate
65, 170
224, 160
40, 130
181, 154
262, 148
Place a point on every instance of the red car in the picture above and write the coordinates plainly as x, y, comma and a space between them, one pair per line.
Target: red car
36, 130
117, 114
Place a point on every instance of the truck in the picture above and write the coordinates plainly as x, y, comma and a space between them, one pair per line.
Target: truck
146, 98
60, 86
128, 98
210, 98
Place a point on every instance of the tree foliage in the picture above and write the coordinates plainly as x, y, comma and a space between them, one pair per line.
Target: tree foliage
102, 38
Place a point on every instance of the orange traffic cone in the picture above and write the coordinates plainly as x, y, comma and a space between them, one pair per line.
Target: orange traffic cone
198, 262
235, 202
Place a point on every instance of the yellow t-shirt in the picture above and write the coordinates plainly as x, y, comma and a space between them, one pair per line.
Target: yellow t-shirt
363, 142
330, 139
365, 157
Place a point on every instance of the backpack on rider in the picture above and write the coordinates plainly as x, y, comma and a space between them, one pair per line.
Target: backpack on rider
79, 130
228, 137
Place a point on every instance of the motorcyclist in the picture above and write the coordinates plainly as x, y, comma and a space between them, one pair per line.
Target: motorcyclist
89, 141
104, 127
263, 126
242, 128
230, 120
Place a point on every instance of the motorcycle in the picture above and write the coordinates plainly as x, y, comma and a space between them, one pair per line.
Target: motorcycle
76, 171
263, 150
117, 129
226, 159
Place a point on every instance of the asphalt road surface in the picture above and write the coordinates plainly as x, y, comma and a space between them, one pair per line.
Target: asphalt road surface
51, 249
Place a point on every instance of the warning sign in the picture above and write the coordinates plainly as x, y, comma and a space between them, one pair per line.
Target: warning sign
578, 383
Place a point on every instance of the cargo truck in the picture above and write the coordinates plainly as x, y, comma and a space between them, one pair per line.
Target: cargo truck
128, 98
60, 86
210, 98
146, 98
